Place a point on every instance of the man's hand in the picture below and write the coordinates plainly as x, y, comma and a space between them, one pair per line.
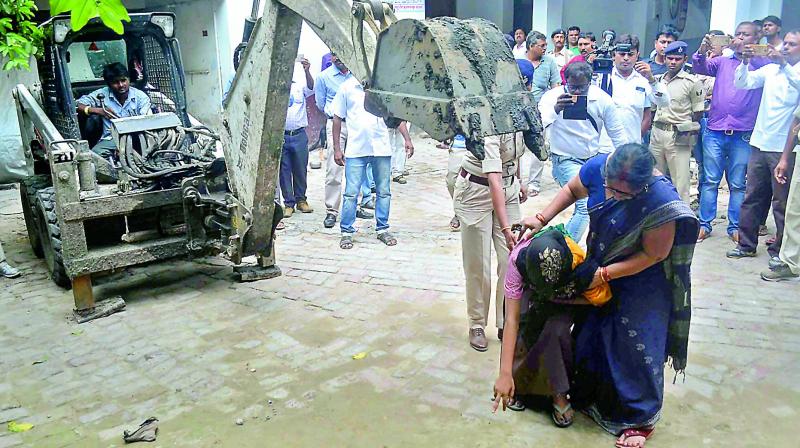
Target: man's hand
705, 45
409, 149
747, 54
338, 156
643, 68
590, 59
523, 194
776, 56
103, 113
780, 171
306, 65
563, 102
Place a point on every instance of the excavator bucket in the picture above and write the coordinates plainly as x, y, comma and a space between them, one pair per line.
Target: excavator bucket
451, 76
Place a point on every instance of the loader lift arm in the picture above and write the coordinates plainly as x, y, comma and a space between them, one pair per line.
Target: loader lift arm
447, 75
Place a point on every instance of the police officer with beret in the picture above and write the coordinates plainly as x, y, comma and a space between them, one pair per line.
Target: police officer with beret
676, 126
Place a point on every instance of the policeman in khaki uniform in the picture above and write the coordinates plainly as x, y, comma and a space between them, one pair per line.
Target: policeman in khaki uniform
675, 128
486, 200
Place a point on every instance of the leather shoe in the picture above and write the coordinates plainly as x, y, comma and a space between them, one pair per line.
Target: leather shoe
363, 214
477, 339
330, 220
288, 212
304, 207
8, 271
500, 334
370, 205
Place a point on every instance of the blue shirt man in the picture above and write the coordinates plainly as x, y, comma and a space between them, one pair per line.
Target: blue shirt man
328, 83
121, 100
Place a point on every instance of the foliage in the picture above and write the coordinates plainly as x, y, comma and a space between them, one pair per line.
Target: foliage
111, 12
20, 38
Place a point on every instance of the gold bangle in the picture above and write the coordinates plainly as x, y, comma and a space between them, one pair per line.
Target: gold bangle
86, 110
505, 228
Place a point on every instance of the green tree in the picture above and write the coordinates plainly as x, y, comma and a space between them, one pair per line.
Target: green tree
111, 12
21, 38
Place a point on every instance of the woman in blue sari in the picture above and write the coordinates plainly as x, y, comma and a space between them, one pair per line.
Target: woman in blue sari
642, 239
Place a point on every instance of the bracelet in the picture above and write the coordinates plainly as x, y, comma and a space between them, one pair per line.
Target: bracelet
541, 219
86, 110
505, 228
604, 274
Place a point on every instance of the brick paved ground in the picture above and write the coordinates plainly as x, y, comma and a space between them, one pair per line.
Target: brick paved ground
199, 351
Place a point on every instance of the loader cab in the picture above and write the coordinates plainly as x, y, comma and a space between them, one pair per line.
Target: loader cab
73, 61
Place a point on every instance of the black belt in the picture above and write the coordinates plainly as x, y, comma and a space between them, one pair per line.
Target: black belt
664, 126
295, 132
473, 178
480, 180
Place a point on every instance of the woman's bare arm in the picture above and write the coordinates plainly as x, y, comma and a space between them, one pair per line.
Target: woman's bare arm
656, 246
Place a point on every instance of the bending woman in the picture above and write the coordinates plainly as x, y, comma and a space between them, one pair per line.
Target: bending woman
642, 236
546, 287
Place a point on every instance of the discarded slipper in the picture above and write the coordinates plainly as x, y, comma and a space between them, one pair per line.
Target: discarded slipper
146, 432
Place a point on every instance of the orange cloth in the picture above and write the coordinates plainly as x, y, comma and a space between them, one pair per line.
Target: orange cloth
598, 295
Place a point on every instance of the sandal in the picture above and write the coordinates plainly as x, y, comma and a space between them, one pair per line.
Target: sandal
515, 405
633, 432
559, 415
387, 239
346, 242
280, 225
455, 224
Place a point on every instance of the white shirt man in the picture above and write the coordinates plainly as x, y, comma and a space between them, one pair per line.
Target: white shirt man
581, 138
636, 95
778, 102
296, 115
367, 146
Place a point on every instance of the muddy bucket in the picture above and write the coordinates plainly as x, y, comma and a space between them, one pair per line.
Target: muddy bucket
451, 76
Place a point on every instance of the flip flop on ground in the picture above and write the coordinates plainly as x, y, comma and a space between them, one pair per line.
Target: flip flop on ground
455, 224
387, 239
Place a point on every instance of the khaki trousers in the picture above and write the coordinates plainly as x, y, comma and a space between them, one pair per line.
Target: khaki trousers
454, 159
790, 249
2, 254
333, 172
480, 229
673, 154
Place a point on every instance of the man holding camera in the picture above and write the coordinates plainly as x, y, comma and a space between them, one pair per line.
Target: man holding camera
676, 123
731, 117
632, 87
574, 117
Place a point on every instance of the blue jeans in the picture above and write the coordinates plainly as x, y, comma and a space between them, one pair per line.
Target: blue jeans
564, 169
367, 186
727, 154
697, 152
355, 172
294, 163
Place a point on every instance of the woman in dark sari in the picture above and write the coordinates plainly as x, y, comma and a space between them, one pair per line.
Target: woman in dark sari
642, 237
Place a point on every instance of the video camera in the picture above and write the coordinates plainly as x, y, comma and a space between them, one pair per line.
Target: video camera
604, 61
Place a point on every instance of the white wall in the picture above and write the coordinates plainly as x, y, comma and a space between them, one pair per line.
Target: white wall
501, 12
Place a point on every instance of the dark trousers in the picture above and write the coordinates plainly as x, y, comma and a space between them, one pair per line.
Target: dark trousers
763, 189
294, 165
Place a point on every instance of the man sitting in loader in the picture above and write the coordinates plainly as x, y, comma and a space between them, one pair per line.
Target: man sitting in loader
117, 100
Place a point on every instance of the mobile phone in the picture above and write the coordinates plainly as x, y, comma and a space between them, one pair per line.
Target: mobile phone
720, 41
760, 50
300, 57
578, 109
